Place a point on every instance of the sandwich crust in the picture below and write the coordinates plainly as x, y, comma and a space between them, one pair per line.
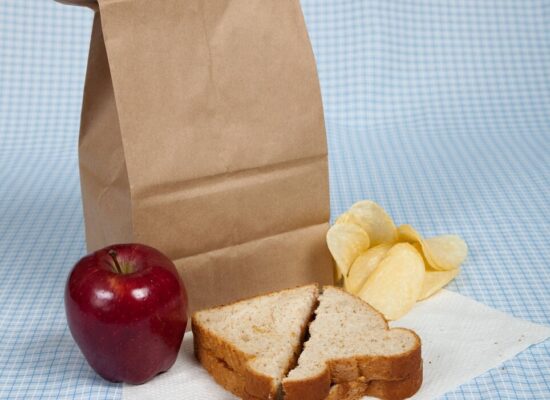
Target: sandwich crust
354, 390
397, 377
389, 390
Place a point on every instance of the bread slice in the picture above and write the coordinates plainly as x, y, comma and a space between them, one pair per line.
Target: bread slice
355, 390
351, 342
249, 346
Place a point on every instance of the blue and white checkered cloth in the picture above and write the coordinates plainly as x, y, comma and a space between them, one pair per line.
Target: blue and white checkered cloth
437, 110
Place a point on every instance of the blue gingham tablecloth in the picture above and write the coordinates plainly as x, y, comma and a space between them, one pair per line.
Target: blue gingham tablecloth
438, 110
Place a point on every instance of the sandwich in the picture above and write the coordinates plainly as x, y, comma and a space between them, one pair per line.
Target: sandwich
301, 344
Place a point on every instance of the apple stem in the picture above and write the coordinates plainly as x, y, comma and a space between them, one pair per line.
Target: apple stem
113, 255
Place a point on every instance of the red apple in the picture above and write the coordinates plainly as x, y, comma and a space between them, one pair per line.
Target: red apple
127, 310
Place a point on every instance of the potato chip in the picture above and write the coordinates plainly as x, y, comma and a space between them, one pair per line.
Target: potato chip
346, 242
446, 251
406, 233
435, 280
443, 253
374, 220
364, 265
395, 285
346, 218
389, 276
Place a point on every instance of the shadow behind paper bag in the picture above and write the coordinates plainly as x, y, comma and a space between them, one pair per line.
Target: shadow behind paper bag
202, 135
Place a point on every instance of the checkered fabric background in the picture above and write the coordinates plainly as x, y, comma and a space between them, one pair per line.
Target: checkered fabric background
438, 110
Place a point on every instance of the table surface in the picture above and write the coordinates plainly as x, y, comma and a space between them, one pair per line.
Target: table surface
439, 111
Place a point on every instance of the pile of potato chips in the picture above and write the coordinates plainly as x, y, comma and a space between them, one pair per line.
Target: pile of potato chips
390, 267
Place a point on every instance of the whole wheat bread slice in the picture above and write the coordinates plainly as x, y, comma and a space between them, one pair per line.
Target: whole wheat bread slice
249, 346
351, 342
355, 390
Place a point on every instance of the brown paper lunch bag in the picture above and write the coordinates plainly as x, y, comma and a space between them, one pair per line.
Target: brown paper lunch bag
202, 135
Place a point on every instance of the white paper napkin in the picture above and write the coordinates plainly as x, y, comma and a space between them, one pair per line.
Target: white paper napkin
461, 339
